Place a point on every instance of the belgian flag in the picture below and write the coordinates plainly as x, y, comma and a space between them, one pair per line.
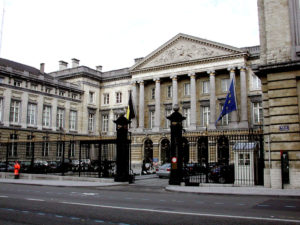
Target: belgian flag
130, 110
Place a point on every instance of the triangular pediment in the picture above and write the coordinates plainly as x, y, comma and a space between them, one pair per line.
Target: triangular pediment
184, 48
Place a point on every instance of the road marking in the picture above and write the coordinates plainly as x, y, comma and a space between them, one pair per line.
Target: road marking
34, 199
263, 205
91, 194
183, 213
290, 206
3, 196
219, 203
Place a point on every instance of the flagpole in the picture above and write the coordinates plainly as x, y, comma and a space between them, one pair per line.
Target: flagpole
2, 25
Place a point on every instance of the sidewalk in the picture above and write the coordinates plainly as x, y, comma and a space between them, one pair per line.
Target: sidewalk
61, 183
226, 190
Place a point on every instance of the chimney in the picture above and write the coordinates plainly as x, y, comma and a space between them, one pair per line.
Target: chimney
42, 68
99, 68
63, 65
75, 63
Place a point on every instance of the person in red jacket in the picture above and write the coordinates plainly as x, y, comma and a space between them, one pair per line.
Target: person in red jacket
17, 168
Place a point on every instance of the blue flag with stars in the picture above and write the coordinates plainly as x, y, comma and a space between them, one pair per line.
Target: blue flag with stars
230, 102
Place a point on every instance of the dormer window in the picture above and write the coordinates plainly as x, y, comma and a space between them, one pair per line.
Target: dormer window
74, 96
61, 93
34, 87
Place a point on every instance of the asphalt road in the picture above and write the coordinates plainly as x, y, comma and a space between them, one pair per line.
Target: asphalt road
145, 202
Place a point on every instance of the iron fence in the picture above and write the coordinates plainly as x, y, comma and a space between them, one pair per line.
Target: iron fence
233, 157
93, 158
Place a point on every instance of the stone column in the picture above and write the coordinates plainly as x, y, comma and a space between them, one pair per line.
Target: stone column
175, 90
40, 105
54, 112
134, 102
243, 88
6, 107
234, 114
157, 105
23, 110
212, 99
193, 101
141, 106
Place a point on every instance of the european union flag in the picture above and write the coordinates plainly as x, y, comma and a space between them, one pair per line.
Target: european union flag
230, 102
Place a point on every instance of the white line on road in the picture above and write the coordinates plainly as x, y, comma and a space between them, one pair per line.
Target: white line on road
183, 213
34, 199
3, 196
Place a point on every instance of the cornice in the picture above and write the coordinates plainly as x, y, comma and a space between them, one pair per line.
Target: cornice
189, 63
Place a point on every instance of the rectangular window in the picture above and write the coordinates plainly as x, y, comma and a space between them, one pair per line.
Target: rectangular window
45, 146
31, 114
91, 122
17, 83
256, 83
257, 113
187, 114
187, 89
1, 109
244, 159
205, 115
169, 91
151, 122
72, 149
60, 118
29, 146
205, 87
46, 116
91, 97
47, 90
74, 96
61, 93
73, 120
34, 87
118, 97
225, 85
105, 123
60, 149
13, 150
15, 111
106, 99
168, 113
225, 119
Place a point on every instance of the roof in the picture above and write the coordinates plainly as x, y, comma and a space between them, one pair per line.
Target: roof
245, 146
19, 66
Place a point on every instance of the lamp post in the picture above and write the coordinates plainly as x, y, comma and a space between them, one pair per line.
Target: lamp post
176, 146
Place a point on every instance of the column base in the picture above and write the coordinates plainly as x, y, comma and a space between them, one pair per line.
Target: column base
234, 125
139, 130
212, 126
244, 124
156, 129
192, 127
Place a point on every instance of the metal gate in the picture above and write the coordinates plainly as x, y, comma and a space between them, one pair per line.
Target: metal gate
233, 157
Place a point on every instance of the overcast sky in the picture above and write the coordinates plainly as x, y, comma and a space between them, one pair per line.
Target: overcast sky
112, 33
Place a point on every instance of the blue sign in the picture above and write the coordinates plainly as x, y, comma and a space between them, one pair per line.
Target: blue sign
284, 128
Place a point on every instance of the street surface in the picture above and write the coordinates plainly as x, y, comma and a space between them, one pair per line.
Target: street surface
145, 202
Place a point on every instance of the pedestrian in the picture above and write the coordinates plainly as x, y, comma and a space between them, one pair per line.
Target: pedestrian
17, 168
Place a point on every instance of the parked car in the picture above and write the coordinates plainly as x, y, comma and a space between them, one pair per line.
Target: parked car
10, 168
25, 166
194, 169
164, 170
222, 174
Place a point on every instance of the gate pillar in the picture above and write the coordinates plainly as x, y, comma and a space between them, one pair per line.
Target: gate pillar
122, 161
176, 146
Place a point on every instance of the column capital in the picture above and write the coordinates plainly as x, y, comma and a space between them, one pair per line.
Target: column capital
231, 69
157, 79
211, 72
242, 68
173, 77
141, 81
192, 74
133, 82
